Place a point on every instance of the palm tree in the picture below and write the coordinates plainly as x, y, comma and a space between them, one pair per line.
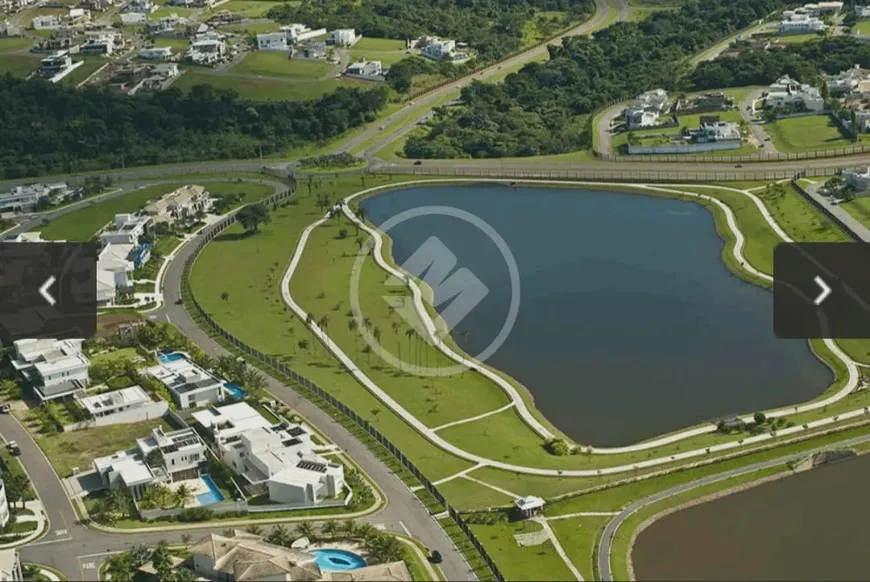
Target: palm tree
255, 384
349, 527
396, 327
183, 493
358, 240
254, 529
352, 326
120, 568
362, 212
185, 539
331, 528
279, 536
376, 333
365, 531
225, 296
410, 333
303, 344
323, 323
305, 529
291, 331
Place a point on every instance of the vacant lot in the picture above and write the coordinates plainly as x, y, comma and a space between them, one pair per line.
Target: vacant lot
18, 65
15, 44
276, 64
862, 27
83, 72
387, 51
805, 134
78, 448
248, 8
263, 89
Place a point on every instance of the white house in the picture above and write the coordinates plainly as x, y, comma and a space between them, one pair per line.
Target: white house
439, 49
716, 131
365, 69
104, 45
158, 458
280, 456
207, 52
122, 406
55, 64
342, 37
859, 179
800, 21
141, 7
156, 53
10, 566
24, 197
656, 99
852, 80
46, 22
55, 368
638, 116
863, 11
115, 266
126, 229
272, 41
786, 91
190, 385
817, 8
133, 18
180, 203
4, 506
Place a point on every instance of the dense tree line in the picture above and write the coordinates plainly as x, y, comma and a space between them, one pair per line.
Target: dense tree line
540, 109
492, 27
804, 61
52, 129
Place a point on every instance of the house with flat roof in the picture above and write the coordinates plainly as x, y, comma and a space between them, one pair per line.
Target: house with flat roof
279, 457
638, 116
298, 32
342, 37
4, 506
158, 458
245, 557
788, 92
207, 51
55, 368
190, 385
858, 179
25, 197
369, 70
122, 406
272, 41
45, 22
181, 203
126, 229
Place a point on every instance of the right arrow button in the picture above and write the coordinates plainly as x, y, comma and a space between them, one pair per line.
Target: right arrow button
825, 290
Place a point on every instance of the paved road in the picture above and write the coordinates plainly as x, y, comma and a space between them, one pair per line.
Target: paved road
853, 224
755, 126
604, 147
605, 545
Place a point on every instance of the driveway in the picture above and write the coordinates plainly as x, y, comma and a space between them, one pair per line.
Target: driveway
756, 127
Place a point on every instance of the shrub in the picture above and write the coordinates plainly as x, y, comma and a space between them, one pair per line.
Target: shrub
193, 514
557, 447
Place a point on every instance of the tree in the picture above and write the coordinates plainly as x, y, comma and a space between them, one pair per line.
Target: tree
279, 536
139, 555
331, 528
161, 559
759, 417
305, 529
384, 548
252, 216
365, 531
183, 494
254, 529
352, 327
17, 485
225, 296
303, 344
254, 383
349, 528
185, 539
120, 567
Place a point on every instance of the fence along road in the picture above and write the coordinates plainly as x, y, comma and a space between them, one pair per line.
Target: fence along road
403, 503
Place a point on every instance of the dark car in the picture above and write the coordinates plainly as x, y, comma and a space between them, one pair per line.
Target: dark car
435, 557
179, 301
418, 163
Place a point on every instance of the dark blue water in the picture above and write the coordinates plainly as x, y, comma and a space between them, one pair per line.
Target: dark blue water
629, 323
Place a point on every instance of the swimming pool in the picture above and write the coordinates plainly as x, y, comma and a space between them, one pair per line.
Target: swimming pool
332, 559
167, 357
235, 390
214, 494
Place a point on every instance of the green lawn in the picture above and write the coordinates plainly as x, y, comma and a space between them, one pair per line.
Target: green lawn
466, 495
859, 208
252, 28
179, 45
8, 44
120, 354
797, 38
807, 134
862, 27
167, 244
262, 89
578, 536
247, 8
78, 448
18, 65
83, 72
387, 51
276, 64
165, 11
84, 224
255, 312
521, 563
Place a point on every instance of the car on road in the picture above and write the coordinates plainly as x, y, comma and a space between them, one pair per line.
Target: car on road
12, 447
4, 408
435, 557
418, 163
179, 301
739, 166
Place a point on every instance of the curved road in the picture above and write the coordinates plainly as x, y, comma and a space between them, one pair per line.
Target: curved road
605, 546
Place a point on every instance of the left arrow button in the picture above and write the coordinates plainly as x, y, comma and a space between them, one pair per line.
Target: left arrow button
43, 290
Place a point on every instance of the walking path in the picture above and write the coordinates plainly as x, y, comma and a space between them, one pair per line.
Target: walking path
851, 383
558, 547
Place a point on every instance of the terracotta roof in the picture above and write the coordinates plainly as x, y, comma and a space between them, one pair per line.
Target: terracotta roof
397, 571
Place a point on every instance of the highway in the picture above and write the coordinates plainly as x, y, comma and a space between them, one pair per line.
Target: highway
605, 545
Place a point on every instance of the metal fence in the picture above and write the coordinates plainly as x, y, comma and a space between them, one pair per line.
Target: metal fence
601, 175
276, 364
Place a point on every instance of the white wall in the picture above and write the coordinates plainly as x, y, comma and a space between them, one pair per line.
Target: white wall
146, 412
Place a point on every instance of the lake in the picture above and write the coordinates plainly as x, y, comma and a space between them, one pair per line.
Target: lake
812, 526
629, 323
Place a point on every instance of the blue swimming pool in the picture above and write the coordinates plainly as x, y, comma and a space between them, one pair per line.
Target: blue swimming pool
330, 559
167, 357
235, 390
214, 494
